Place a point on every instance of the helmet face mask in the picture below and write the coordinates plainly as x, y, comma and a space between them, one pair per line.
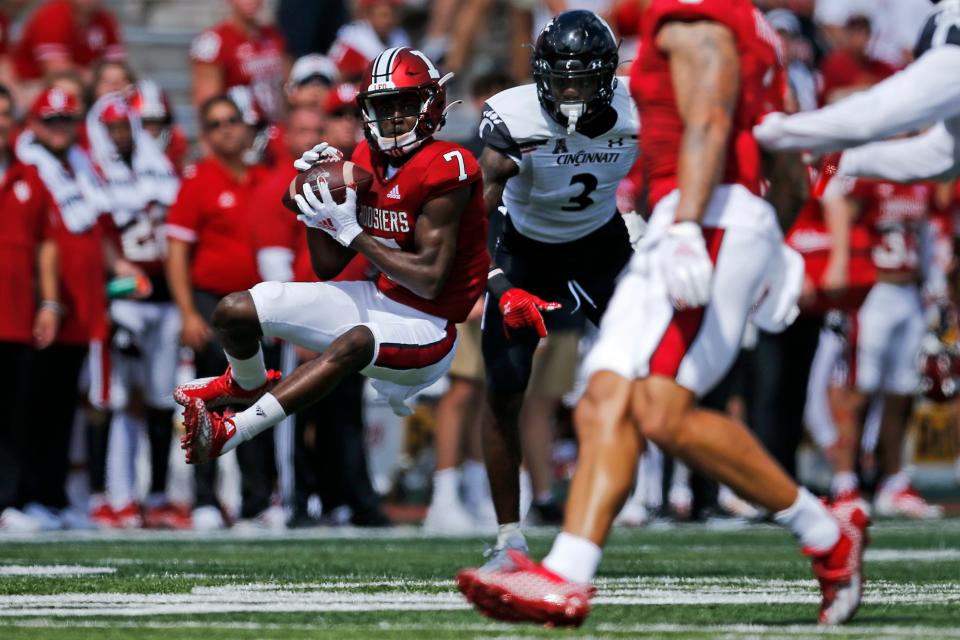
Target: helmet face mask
574, 65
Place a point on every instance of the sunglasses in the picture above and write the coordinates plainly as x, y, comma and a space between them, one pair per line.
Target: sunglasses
55, 120
213, 125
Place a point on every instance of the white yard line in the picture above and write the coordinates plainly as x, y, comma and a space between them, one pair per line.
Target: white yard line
53, 570
401, 595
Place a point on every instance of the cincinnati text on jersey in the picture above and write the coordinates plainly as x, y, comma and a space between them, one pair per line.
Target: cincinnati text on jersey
587, 157
383, 219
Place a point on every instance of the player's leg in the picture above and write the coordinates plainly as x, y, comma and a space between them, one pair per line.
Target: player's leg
508, 360
894, 494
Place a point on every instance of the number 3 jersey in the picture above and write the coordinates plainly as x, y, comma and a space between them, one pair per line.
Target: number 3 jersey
896, 215
390, 209
567, 183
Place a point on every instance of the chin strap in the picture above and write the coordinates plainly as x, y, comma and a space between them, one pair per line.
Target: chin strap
572, 111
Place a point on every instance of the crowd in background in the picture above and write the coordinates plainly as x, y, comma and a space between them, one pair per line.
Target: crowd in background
120, 235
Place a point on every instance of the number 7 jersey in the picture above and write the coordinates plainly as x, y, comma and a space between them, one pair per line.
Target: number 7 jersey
567, 183
390, 209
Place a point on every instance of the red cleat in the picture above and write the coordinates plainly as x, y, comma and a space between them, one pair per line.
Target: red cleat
222, 390
104, 517
128, 517
206, 432
167, 516
840, 570
529, 592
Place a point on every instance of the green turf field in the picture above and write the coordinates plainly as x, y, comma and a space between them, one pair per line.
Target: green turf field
677, 582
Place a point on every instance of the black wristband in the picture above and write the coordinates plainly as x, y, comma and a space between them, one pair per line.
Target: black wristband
497, 283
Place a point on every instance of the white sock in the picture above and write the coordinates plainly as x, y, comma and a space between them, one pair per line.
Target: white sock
897, 482
446, 486
843, 481
249, 373
476, 488
263, 414
573, 558
810, 522
507, 531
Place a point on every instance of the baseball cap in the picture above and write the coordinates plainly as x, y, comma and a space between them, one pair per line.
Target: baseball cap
343, 96
784, 20
55, 102
115, 110
313, 66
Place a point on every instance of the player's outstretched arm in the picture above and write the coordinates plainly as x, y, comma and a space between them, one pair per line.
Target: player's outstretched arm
520, 309
423, 271
926, 91
933, 155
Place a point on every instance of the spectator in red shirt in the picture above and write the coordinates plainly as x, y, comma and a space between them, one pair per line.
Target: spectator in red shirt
849, 68
359, 42
67, 35
28, 264
150, 102
240, 52
50, 145
110, 76
311, 79
210, 254
344, 128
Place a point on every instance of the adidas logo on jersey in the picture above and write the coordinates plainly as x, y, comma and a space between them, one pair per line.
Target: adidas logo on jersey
394, 193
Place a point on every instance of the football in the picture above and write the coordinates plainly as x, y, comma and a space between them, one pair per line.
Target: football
338, 175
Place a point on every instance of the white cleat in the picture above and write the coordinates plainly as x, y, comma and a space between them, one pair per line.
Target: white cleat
905, 503
449, 518
633, 514
207, 519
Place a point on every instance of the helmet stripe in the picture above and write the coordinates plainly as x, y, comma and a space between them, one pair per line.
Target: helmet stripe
383, 65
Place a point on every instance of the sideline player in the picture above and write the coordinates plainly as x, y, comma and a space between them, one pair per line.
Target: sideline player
889, 326
713, 251
555, 152
927, 91
422, 224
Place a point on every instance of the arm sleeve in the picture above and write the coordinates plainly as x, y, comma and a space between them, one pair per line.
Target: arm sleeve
934, 155
495, 134
925, 92
183, 219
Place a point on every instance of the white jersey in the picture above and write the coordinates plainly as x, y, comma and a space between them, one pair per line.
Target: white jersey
567, 183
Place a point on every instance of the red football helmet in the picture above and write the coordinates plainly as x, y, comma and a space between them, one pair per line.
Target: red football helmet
150, 102
397, 73
939, 369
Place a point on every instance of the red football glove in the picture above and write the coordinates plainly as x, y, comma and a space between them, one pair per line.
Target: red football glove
521, 310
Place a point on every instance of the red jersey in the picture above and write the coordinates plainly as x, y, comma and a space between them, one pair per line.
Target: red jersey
27, 217
389, 213
895, 215
54, 33
652, 89
809, 237
274, 225
210, 213
841, 71
253, 59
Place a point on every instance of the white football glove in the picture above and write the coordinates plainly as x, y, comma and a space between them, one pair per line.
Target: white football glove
339, 221
320, 153
778, 308
686, 266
